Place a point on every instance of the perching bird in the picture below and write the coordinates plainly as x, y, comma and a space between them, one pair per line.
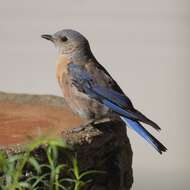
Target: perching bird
89, 89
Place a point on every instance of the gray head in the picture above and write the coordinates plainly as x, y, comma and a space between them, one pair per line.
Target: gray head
68, 41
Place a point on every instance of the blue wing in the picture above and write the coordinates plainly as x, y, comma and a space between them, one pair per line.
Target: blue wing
81, 76
124, 103
116, 101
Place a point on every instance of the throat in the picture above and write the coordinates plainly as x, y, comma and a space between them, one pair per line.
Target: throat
63, 58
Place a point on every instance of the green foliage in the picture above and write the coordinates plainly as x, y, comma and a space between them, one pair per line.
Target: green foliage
25, 171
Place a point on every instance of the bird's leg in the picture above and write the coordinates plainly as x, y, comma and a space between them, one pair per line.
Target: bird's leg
91, 122
82, 126
101, 120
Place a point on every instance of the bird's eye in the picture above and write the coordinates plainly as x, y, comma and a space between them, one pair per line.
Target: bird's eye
64, 38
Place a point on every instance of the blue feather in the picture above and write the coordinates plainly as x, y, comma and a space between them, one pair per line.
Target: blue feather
115, 96
121, 104
136, 126
118, 109
139, 129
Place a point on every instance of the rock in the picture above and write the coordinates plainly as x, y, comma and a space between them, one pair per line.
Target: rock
102, 146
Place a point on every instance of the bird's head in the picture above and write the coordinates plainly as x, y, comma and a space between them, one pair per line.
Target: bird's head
68, 41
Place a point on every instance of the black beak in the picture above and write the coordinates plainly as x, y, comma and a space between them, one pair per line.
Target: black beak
47, 37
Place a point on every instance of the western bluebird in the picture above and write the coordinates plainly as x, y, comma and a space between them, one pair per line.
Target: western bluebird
89, 89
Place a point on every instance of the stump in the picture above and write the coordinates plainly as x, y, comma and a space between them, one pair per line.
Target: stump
102, 146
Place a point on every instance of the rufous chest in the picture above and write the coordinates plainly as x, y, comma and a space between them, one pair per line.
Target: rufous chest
62, 74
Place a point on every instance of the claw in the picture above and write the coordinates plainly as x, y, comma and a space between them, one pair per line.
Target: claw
78, 129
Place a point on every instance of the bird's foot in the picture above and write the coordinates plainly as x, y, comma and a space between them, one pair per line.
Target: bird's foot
78, 129
101, 120
82, 127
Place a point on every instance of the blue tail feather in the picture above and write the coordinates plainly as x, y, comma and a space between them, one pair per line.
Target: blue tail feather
135, 125
145, 134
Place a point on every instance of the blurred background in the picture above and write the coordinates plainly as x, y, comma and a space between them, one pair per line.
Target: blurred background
144, 44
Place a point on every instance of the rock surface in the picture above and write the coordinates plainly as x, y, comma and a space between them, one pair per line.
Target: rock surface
104, 146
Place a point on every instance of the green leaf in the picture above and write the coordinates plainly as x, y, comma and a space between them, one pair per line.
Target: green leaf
91, 172
45, 166
3, 162
61, 186
59, 167
54, 154
39, 179
59, 142
25, 185
75, 168
15, 157
68, 180
35, 164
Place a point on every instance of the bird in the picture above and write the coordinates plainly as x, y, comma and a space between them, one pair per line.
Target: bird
90, 91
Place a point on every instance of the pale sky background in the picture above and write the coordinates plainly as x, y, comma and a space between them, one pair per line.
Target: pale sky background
144, 44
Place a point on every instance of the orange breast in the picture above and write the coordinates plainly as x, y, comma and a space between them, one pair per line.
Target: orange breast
62, 74
62, 65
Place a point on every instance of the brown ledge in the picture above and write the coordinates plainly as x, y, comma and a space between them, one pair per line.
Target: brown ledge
104, 146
